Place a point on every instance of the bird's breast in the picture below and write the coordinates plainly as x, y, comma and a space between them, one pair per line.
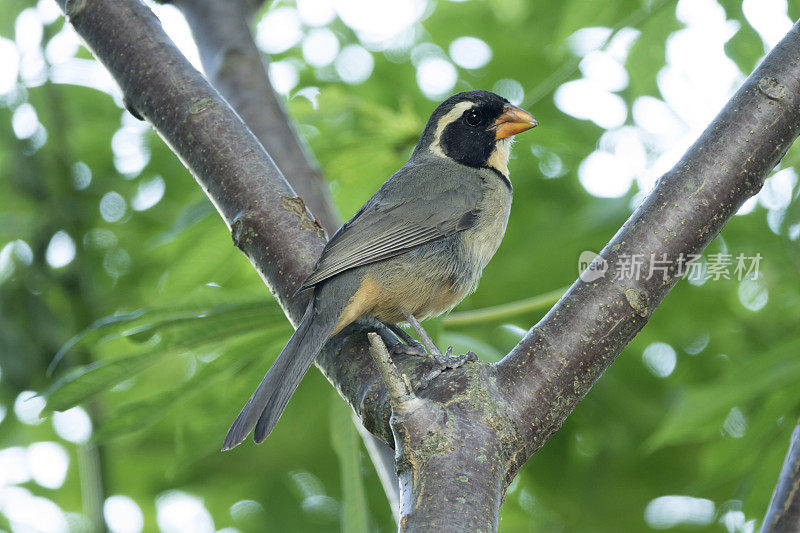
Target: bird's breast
433, 278
483, 239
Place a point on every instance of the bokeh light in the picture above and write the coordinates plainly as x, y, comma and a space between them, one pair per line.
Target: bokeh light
122, 514
470, 52
735, 424
377, 22
24, 122
61, 250
179, 512
587, 99
27, 512
28, 406
81, 175
13, 466
769, 19
131, 154
283, 76
9, 66
116, 262
670, 511
148, 194
73, 425
436, 77
48, 463
62, 47
354, 64
660, 359
753, 294
320, 47
279, 30
316, 12
511, 90
112, 206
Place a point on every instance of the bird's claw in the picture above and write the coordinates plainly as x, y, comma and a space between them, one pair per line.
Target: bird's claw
439, 361
415, 349
446, 361
442, 360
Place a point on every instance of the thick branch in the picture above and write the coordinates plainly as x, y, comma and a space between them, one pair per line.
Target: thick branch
235, 68
559, 360
448, 446
783, 513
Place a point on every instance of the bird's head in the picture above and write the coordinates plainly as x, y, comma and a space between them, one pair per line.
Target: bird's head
475, 128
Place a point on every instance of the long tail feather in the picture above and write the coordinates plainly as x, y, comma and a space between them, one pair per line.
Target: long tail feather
265, 406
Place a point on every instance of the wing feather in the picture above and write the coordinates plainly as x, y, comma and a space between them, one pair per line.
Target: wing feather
420, 204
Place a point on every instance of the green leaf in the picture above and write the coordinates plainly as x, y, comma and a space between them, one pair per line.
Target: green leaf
178, 318
86, 381
98, 324
140, 415
175, 335
188, 217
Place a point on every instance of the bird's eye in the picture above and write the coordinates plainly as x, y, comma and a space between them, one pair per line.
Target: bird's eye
472, 118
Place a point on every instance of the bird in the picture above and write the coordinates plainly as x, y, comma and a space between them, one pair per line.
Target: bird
414, 250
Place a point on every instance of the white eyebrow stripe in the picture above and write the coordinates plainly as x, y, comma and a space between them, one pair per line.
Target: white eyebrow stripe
445, 121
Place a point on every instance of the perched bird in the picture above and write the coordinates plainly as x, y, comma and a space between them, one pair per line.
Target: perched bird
414, 250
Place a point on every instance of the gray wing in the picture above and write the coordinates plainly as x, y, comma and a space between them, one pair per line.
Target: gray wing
421, 203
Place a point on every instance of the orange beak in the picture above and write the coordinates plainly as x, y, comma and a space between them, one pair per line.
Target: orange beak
513, 120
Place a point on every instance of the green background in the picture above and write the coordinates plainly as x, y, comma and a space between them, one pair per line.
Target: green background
195, 328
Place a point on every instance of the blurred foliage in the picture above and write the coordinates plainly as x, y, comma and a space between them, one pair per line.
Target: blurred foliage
162, 328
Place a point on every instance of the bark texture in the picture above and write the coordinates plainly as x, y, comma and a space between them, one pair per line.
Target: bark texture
236, 68
783, 513
463, 434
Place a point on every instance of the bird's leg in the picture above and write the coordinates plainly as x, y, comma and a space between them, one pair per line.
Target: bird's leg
409, 346
441, 361
424, 337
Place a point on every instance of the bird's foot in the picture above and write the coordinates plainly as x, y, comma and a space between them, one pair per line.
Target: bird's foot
414, 349
446, 361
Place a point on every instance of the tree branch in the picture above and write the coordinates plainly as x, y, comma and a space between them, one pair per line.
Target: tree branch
399, 389
556, 364
236, 69
783, 513
447, 449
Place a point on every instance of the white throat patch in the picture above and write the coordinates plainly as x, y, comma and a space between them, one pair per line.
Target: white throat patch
500, 154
